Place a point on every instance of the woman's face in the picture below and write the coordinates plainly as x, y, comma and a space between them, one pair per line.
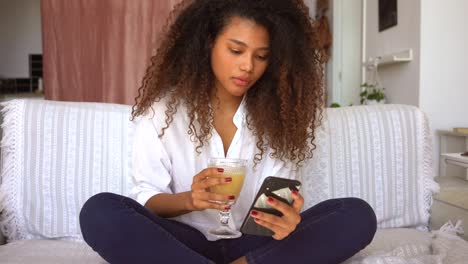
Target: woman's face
239, 56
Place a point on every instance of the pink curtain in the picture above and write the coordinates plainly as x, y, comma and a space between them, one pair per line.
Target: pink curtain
98, 50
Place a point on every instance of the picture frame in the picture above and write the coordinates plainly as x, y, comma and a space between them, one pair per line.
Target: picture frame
388, 14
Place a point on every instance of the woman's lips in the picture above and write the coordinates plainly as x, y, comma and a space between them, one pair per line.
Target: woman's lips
241, 82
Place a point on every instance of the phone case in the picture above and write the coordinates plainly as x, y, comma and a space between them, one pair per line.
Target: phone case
278, 188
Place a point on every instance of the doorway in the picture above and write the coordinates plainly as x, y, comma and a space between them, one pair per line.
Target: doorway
345, 71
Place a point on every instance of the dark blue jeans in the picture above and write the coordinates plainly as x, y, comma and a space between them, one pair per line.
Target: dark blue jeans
123, 231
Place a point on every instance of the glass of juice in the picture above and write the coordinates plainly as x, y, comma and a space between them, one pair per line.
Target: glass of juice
235, 169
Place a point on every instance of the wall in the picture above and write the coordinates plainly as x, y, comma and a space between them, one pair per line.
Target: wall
401, 81
20, 35
436, 80
311, 4
444, 64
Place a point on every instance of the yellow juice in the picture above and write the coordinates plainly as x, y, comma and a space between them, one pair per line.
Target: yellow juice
231, 188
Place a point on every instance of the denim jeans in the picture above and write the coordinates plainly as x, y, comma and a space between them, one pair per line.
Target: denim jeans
123, 231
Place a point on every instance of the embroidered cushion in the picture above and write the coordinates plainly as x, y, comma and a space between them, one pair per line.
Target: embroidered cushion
55, 155
381, 154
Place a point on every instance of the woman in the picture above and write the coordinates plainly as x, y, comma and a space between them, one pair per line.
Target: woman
237, 79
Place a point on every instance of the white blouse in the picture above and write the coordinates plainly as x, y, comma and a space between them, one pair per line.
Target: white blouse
168, 164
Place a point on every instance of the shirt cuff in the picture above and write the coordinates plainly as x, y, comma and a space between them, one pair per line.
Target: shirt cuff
143, 197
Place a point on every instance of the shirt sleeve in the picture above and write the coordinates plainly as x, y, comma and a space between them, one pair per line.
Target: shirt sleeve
151, 165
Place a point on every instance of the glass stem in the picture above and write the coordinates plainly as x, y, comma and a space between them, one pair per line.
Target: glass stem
224, 217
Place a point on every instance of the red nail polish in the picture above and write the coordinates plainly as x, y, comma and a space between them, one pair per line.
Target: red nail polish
228, 179
294, 192
270, 200
232, 197
220, 170
254, 213
227, 208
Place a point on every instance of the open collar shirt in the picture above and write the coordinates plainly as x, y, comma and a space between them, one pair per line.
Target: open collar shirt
168, 164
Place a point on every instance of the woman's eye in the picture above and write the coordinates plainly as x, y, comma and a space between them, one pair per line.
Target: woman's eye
263, 58
234, 51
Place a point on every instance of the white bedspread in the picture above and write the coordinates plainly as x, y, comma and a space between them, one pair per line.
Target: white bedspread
37, 251
410, 247
390, 246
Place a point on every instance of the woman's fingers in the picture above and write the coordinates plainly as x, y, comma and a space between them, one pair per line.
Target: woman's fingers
269, 218
208, 196
206, 173
201, 205
298, 201
279, 232
290, 215
202, 198
283, 221
210, 182
208, 178
207, 200
284, 225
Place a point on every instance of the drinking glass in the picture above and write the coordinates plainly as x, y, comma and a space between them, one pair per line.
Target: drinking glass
235, 169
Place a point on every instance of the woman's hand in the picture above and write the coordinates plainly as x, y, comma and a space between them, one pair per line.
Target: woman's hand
200, 198
286, 224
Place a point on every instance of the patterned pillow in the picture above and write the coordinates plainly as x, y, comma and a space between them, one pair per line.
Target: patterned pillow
381, 154
55, 155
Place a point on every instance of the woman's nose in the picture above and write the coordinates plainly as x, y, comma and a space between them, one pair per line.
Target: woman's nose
246, 64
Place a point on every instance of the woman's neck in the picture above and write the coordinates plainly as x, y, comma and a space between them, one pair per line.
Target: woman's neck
223, 102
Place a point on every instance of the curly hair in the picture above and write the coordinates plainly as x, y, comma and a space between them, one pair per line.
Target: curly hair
283, 107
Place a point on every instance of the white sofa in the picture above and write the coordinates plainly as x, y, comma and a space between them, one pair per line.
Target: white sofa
57, 154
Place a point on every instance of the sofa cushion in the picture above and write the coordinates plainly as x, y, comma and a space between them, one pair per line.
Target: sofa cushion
413, 242
410, 246
55, 155
48, 252
381, 154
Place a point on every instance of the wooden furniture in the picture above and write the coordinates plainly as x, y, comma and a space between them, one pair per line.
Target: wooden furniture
452, 163
451, 203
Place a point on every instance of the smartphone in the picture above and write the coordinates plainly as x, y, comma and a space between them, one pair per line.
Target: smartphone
278, 188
